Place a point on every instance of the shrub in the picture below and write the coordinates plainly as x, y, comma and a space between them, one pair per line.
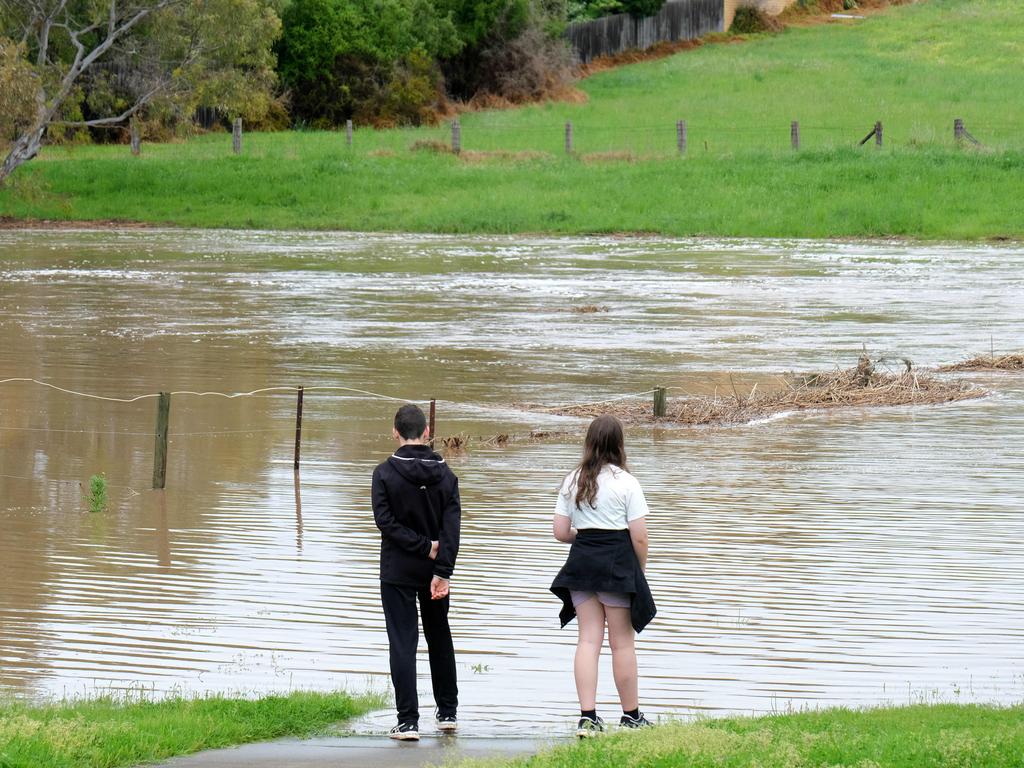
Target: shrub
368, 60
749, 20
531, 66
525, 59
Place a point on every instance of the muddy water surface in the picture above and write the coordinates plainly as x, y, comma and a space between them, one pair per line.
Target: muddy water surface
820, 559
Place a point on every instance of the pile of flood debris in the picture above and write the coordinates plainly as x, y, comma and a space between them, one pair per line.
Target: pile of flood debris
865, 385
992, 362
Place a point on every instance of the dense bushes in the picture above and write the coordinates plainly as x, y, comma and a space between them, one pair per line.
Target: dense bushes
369, 60
395, 62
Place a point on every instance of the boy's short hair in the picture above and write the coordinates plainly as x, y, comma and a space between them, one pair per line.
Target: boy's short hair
410, 423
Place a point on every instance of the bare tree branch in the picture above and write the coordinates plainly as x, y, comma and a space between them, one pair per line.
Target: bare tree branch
139, 104
115, 31
44, 35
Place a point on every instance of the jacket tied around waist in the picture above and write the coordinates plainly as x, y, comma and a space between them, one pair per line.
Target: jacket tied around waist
604, 561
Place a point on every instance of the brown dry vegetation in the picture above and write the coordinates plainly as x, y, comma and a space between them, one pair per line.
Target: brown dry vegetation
504, 155
862, 386
1012, 362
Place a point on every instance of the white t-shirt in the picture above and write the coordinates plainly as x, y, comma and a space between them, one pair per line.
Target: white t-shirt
620, 501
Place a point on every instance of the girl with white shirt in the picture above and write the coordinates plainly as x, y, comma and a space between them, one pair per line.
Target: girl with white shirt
602, 512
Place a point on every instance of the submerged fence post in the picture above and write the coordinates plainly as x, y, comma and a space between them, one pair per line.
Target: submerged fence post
456, 137
236, 136
794, 134
958, 130
348, 133
430, 422
298, 427
568, 137
681, 136
136, 141
660, 402
163, 418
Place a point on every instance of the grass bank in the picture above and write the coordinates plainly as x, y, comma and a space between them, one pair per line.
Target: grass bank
106, 733
914, 67
936, 736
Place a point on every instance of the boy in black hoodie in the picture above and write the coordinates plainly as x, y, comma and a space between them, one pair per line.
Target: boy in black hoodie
417, 509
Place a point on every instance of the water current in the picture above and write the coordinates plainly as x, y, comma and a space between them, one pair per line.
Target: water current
853, 557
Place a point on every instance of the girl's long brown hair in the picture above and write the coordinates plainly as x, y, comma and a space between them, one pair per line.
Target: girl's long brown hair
603, 445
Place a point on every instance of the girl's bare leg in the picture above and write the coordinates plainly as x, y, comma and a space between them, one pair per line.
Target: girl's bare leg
590, 619
621, 639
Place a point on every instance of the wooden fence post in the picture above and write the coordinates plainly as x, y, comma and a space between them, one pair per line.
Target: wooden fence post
681, 136
660, 402
568, 137
876, 132
430, 422
163, 418
794, 134
136, 141
348, 132
958, 130
298, 427
236, 136
456, 137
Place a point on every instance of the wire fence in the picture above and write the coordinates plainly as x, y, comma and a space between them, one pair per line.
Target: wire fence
484, 134
161, 434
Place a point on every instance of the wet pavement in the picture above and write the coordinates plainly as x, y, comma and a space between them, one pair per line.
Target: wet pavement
358, 752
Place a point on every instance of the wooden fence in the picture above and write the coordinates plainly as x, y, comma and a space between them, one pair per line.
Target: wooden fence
677, 20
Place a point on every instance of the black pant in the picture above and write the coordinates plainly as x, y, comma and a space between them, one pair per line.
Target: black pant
403, 636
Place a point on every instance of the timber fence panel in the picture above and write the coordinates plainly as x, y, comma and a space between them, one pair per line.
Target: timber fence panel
677, 20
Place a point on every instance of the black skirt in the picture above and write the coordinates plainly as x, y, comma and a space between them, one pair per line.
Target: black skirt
604, 561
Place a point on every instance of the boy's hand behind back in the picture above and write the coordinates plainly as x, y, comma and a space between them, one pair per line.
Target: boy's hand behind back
438, 588
434, 546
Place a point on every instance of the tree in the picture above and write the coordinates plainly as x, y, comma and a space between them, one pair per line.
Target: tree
90, 63
369, 60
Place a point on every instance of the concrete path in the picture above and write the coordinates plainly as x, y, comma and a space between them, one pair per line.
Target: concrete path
358, 752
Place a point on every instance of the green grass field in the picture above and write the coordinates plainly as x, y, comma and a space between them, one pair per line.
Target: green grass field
914, 67
938, 736
105, 733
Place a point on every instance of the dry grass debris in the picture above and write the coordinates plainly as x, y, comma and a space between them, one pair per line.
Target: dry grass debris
865, 385
429, 145
588, 309
503, 155
1012, 362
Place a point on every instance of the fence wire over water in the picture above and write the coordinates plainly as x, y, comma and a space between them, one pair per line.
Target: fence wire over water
847, 558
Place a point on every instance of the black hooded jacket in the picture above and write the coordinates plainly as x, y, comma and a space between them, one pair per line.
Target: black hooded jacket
416, 501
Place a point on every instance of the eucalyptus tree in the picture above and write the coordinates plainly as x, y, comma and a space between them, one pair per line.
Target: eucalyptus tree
91, 63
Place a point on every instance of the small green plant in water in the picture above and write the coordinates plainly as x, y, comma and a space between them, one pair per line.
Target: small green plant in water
98, 493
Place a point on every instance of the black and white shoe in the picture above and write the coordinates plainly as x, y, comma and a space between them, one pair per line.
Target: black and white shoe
629, 721
405, 732
587, 727
447, 723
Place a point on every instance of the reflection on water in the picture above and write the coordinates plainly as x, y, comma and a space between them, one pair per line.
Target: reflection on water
841, 558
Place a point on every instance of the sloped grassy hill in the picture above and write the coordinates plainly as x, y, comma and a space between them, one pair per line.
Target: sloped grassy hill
914, 67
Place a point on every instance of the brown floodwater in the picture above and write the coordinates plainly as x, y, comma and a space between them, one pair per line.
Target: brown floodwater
842, 558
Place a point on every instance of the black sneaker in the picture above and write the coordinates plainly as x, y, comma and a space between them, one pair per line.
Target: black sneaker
447, 723
405, 732
629, 721
587, 727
